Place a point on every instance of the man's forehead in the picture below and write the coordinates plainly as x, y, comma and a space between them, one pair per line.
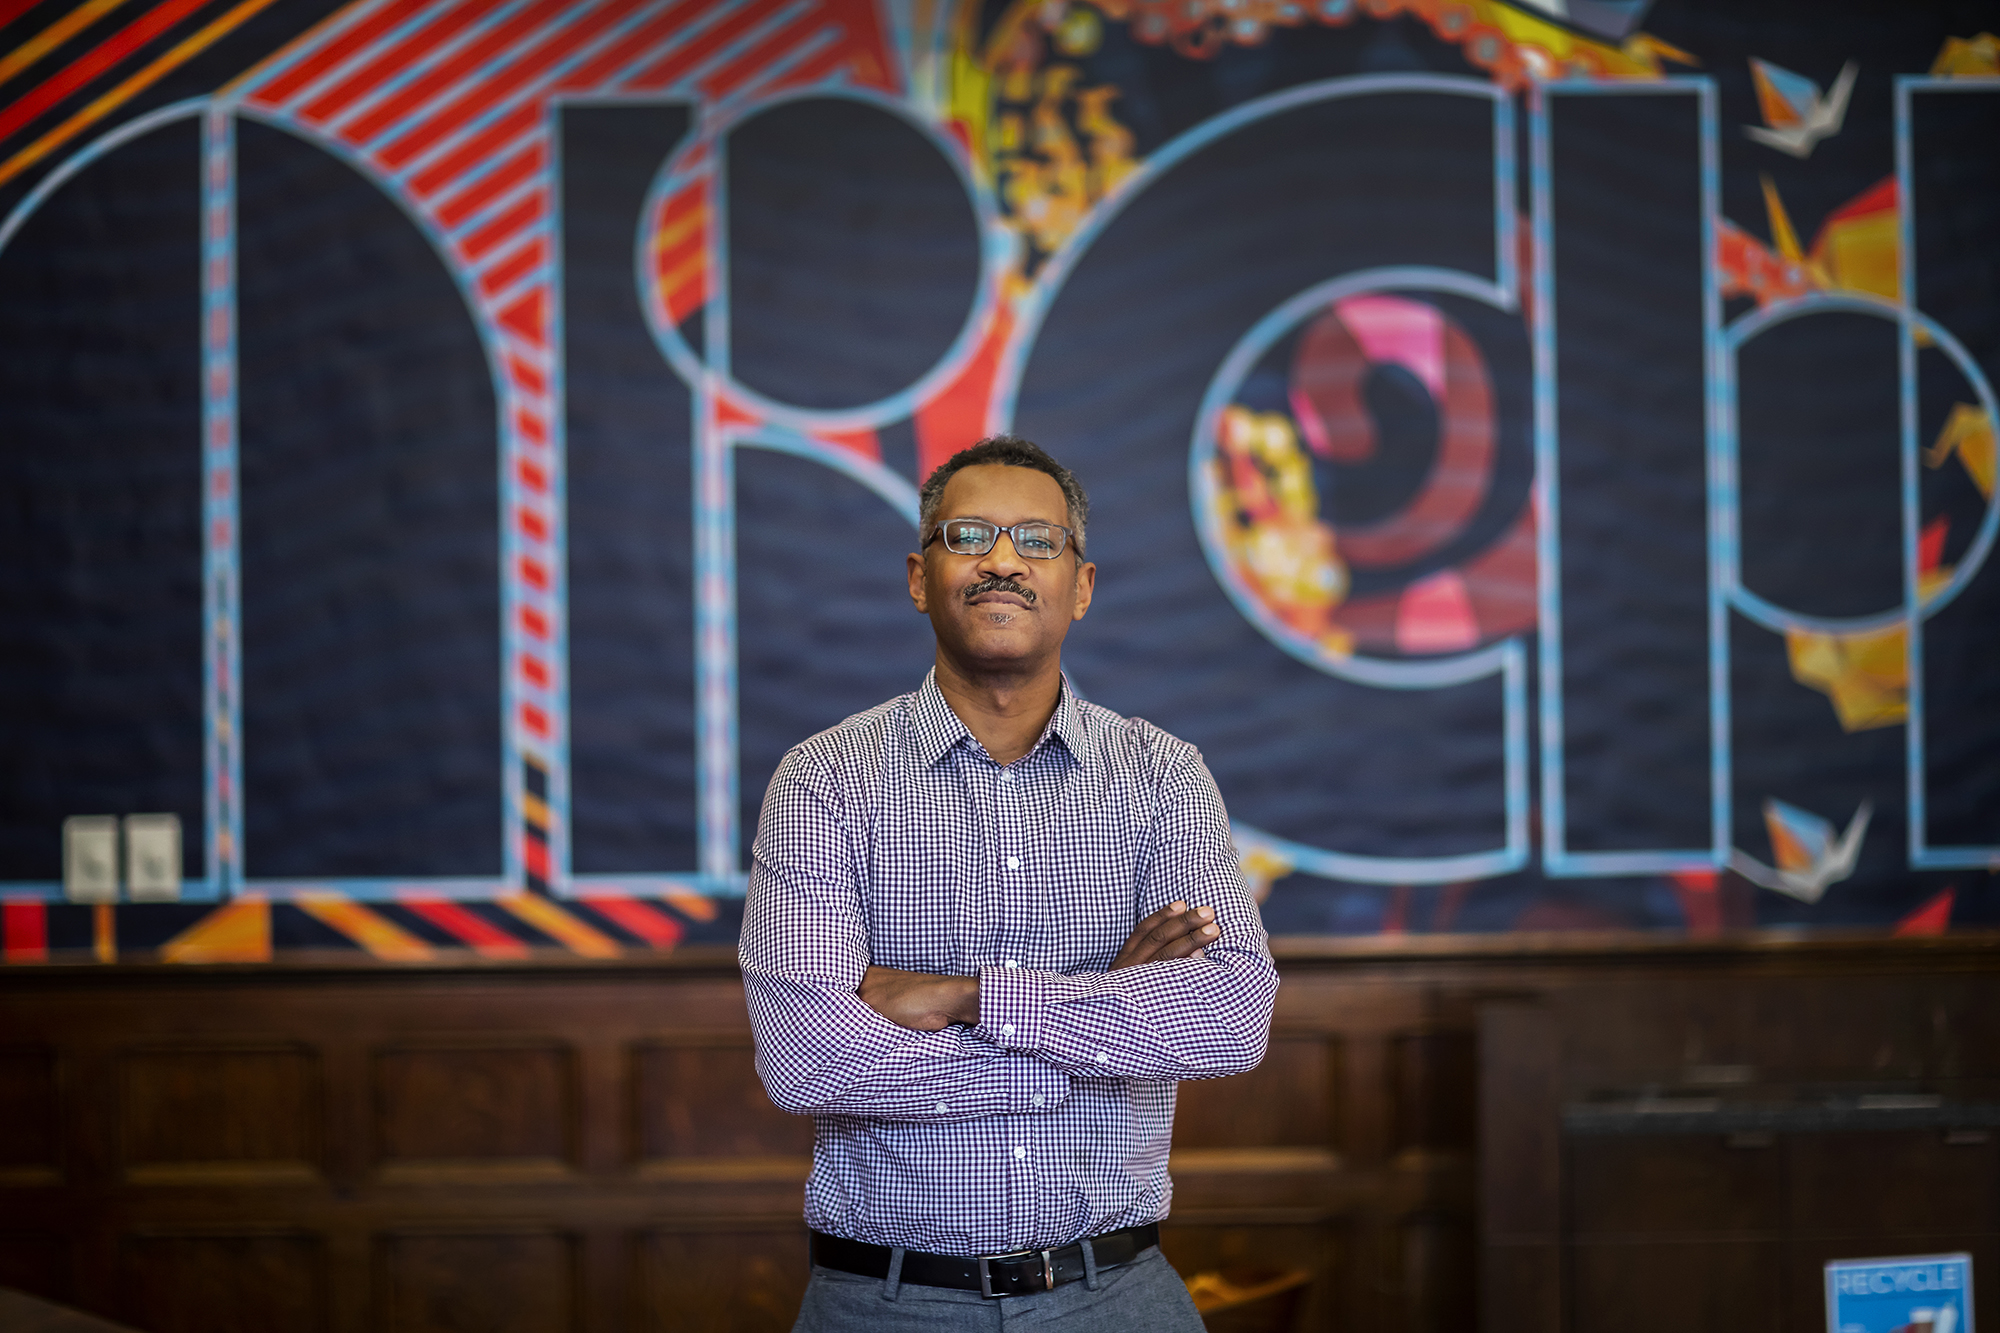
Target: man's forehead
971, 491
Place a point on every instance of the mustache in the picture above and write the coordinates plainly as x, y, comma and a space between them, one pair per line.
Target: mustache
1000, 583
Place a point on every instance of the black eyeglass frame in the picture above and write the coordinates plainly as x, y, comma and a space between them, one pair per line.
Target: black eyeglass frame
1013, 535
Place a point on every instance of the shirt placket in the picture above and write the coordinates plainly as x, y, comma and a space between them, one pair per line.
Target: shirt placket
1011, 873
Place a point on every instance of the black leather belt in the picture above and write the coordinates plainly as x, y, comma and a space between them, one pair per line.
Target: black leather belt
1017, 1274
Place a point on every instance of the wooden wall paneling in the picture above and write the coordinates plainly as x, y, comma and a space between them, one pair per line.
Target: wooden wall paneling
249, 1281
696, 1098
1888, 1183
35, 1261
1437, 1293
1656, 1287
220, 1115
1289, 1101
1628, 1187
477, 1279
498, 1109
1434, 1087
30, 1144
744, 1277
1520, 1170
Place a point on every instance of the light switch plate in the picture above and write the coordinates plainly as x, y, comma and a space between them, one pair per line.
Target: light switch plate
153, 857
90, 858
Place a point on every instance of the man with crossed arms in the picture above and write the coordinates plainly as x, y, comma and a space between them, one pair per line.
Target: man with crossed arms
989, 927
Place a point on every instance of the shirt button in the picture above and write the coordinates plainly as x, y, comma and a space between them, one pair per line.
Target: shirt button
940, 1108
1103, 1057
1013, 962
1039, 1099
1006, 1029
1020, 1154
1013, 863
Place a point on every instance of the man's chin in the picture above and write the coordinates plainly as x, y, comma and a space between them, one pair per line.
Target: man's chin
1003, 647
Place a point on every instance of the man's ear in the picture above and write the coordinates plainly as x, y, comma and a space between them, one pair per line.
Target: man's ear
918, 594
1086, 584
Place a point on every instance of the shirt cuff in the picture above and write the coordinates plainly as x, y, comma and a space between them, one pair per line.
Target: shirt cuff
1010, 1008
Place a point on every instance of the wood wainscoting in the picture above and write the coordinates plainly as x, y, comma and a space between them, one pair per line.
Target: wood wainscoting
548, 1146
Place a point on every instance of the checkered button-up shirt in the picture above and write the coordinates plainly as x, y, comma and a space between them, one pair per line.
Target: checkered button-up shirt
894, 839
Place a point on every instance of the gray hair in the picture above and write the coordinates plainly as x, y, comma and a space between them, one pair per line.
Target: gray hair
1005, 451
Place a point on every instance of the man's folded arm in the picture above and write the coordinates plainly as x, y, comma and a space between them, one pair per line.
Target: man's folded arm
1184, 1018
820, 1051
804, 952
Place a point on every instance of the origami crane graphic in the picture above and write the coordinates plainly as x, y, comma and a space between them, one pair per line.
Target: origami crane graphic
1796, 115
1809, 857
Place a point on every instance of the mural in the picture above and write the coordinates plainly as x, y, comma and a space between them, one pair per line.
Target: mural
1542, 452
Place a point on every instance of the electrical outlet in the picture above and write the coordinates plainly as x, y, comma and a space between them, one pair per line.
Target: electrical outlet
153, 857
90, 858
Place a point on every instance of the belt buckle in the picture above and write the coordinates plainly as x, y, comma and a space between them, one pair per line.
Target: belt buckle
986, 1273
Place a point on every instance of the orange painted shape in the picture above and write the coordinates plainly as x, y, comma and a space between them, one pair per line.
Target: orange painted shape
239, 932
578, 936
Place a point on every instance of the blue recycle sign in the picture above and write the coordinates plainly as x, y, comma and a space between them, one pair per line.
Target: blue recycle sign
1929, 1293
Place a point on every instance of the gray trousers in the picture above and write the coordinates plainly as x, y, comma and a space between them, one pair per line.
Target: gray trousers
1144, 1296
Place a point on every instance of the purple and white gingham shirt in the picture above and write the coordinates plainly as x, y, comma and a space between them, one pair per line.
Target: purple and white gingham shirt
895, 839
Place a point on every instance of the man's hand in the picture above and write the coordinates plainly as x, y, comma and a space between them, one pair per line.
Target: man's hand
919, 1000
1175, 931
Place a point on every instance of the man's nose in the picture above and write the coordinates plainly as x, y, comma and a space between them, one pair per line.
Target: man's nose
1003, 559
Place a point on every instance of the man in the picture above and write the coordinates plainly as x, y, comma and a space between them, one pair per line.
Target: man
989, 927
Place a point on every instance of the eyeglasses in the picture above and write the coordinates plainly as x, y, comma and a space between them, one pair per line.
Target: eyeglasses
975, 536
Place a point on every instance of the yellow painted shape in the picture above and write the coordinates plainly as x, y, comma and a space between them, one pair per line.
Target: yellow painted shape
1860, 255
1865, 675
552, 921
1968, 57
1782, 234
1633, 59
1261, 868
104, 932
239, 932
1968, 432
381, 937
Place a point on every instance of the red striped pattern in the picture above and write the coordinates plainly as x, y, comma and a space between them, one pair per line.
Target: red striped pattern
532, 64
87, 67
449, 99
641, 919
467, 927
13, 9
453, 96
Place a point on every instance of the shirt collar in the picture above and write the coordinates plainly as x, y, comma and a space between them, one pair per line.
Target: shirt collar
939, 730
